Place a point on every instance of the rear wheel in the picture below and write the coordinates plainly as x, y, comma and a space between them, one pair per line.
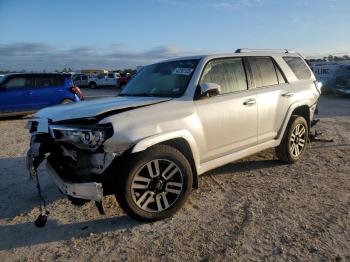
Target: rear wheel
92, 85
155, 183
294, 141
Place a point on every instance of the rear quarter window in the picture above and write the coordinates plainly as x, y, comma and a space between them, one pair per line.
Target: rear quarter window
298, 66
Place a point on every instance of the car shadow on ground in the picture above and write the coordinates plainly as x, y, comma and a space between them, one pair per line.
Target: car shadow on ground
26, 234
18, 191
18, 199
262, 160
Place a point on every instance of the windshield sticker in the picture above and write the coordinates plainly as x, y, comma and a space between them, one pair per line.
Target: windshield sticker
183, 71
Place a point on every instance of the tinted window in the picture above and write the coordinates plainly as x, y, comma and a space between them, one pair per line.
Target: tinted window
110, 75
263, 70
84, 78
48, 81
299, 67
228, 73
18, 82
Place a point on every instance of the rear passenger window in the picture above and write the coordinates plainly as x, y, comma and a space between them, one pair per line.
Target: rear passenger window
84, 78
263, 70
48, 81
299, 67
228, 73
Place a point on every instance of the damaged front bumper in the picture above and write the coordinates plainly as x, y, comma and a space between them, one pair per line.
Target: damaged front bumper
77, 173
88, 191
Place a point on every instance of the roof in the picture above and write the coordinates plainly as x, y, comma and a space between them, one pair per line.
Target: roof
240, 53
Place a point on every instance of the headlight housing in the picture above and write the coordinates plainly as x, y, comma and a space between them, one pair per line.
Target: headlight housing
89, 138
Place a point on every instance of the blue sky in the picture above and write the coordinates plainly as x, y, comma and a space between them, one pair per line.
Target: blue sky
37, 35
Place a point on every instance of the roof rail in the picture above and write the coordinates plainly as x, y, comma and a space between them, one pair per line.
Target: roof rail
247, 50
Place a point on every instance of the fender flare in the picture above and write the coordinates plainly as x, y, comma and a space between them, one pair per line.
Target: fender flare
288, 116
159, 138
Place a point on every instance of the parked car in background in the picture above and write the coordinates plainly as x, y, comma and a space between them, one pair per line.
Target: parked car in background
124, 79
174, 121
26, 93
81, 80
110, 79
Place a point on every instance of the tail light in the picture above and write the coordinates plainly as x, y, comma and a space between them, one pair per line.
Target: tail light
76, 90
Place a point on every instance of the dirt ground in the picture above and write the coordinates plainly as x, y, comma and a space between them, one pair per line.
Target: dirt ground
254, 209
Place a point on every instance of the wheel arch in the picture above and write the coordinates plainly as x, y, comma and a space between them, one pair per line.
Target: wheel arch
182, 140
302, 108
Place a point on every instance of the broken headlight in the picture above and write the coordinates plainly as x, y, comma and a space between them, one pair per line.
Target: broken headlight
82, 137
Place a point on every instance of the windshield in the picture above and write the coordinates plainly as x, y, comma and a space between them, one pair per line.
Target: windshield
167, 79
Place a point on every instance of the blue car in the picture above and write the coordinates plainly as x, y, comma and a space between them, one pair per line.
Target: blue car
26, 93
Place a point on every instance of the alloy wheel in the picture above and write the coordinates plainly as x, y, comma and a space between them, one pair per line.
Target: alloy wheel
157, 185
297, 140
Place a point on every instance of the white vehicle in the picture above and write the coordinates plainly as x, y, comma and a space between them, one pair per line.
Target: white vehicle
110, 79
81, 80
174, 121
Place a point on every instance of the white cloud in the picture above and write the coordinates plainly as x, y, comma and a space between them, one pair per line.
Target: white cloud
40, 56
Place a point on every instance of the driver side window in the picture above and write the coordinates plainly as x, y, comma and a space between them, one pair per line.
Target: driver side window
229, 73
18, 82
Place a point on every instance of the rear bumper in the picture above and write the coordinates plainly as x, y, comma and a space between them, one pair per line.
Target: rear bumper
89, 191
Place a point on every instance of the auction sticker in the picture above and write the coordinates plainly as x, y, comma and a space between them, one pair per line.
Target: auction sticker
182, 71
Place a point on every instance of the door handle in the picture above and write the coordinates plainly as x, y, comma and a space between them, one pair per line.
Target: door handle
249, 102
29, 93
288, 94
59, 90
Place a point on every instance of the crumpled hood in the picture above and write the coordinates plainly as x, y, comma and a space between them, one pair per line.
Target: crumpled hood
95, 107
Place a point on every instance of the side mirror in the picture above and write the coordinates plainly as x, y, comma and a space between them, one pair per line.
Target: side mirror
210, 89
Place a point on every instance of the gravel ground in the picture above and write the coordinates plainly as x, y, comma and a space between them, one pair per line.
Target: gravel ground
254, 209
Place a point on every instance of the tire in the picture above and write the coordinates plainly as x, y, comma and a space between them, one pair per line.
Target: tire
294, 140
92, 85
147, 193
66, 101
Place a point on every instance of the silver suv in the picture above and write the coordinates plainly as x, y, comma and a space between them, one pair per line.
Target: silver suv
174, 121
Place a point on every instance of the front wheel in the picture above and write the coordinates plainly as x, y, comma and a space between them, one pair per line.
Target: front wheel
294, 140
66, 101
155, 183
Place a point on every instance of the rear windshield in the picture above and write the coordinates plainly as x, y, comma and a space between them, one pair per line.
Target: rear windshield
299, 67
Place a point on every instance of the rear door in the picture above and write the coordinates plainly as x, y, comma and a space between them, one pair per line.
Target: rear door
49, 90
273, 95
229, 120
16, 94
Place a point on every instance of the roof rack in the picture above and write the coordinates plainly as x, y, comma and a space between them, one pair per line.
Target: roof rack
247, 50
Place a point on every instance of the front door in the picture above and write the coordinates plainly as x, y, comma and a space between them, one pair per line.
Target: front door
229, 120
16, 94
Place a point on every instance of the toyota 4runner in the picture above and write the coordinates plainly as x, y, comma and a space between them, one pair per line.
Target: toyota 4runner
174, 121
